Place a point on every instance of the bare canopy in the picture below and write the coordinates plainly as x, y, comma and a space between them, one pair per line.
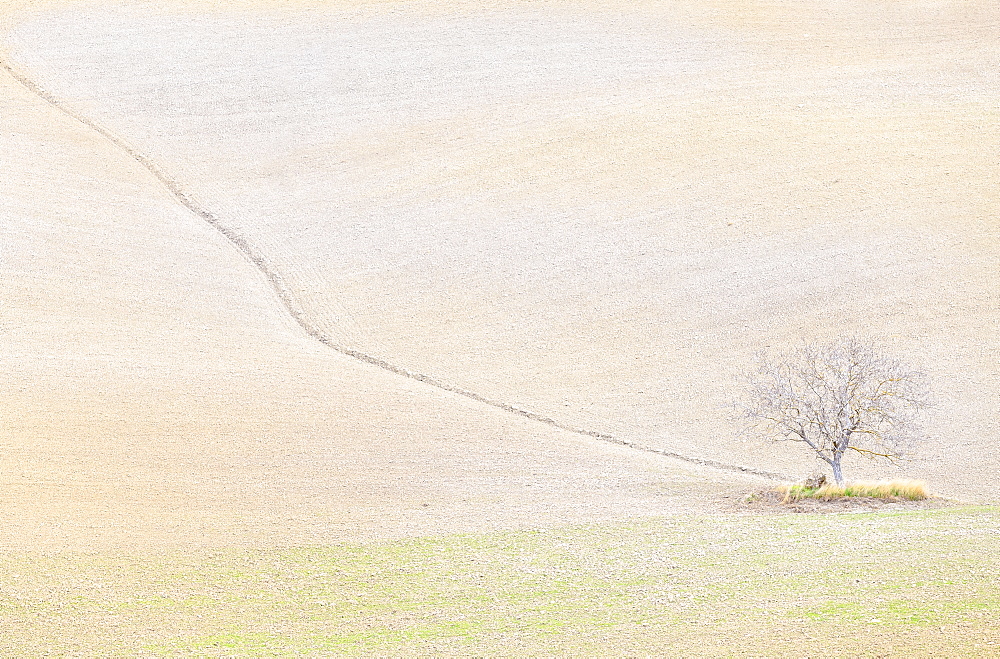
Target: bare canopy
836, 397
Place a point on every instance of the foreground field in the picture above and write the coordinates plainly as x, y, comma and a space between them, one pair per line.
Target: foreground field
901, 584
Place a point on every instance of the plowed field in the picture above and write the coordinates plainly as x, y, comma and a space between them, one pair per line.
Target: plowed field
282, 274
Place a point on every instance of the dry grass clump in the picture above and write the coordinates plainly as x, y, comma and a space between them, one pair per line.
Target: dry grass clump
909, 490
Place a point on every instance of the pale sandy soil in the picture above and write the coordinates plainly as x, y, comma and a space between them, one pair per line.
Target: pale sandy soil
156, 394
593, 213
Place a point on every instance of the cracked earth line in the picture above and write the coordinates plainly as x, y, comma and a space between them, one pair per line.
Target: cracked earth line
288, 300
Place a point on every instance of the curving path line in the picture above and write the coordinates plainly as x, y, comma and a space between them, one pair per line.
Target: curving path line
280, 287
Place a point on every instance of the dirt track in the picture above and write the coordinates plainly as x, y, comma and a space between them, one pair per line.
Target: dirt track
603, 244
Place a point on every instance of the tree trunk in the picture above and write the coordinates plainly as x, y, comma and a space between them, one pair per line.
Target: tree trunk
837, 476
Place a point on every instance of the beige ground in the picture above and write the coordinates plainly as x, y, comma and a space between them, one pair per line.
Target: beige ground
593, 213
156, 394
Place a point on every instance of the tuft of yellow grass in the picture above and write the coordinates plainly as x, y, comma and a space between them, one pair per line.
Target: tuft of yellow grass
910, 490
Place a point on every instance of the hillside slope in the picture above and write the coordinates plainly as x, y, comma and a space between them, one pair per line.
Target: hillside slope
591, 213
156, 394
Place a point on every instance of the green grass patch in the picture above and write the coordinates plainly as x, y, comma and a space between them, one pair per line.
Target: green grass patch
900, 583
896, 490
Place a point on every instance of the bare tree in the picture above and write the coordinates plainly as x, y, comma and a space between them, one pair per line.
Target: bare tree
838, 397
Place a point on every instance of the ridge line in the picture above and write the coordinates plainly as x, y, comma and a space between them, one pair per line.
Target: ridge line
291, 305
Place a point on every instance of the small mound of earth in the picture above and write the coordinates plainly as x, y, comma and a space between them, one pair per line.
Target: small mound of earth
771, 501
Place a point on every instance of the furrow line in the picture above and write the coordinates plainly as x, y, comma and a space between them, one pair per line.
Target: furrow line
281, 288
